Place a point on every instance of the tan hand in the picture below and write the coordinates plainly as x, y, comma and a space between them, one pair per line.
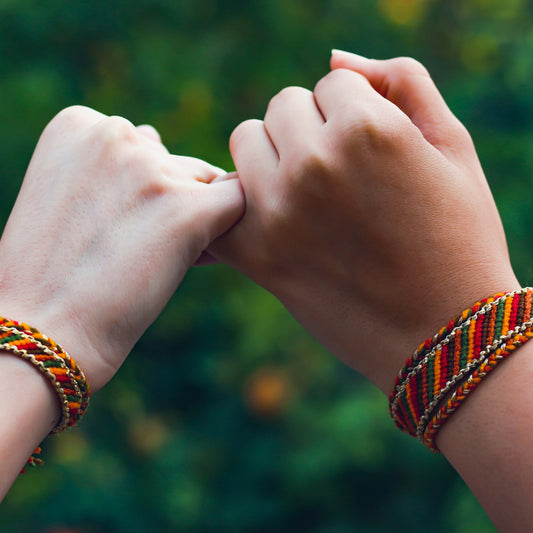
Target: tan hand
368, 213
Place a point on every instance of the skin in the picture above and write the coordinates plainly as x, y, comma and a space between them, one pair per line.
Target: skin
365, 199
369, 216
104, 228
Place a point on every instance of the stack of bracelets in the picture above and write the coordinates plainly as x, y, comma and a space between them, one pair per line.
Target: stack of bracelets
57, 366
446, 368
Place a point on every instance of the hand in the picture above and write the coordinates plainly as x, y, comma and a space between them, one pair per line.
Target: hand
106, 224
368, 213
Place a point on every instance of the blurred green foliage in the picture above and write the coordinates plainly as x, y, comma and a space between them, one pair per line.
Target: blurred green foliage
227, 416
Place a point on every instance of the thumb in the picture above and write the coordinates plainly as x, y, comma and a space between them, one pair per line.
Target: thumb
206, 258
223, 206
408, 85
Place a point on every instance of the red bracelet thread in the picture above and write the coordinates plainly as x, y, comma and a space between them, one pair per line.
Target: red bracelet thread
459, 396
423, 396
59, 368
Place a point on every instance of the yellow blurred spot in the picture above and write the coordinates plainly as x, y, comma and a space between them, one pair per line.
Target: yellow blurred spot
193, 110
403, 12
496, 8
70, 447
266, 392
148, 435
479, 53
197, 99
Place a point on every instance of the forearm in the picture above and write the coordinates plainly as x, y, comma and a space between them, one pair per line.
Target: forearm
489, 442
30, 410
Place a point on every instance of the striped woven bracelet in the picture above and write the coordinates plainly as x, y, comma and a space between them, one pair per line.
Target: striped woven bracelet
64, 375
446, 368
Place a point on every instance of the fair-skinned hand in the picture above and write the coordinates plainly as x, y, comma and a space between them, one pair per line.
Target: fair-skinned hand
105, 226
368, 213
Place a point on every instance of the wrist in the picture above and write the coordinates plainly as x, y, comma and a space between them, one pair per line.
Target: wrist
30, 392
488, 441
30, 410
425, 317
57, 321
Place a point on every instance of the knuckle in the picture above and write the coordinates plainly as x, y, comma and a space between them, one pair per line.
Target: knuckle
286, 96
118, 129
149, 132
341, 76
460, 136
460, 130
72, 117
361, 121
306, 165
293, 91
140, 162
242, 131
408, 66
71, 112
143, 172
378, 130
388, 134
151, 177
116, 139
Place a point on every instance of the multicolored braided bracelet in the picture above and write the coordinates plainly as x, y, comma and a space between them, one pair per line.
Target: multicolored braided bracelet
450, 359
58, 367
423, 396
444, 332
458, 397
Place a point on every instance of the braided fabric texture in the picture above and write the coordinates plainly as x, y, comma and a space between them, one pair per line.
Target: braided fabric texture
458, 397
58, 367
430, 343
447, 367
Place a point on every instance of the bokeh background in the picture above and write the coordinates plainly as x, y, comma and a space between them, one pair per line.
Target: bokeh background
228, 417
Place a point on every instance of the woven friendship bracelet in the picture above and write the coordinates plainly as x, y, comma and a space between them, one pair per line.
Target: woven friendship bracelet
430, 343
57, 366
457, 398
460, 350
470, 367
454, 344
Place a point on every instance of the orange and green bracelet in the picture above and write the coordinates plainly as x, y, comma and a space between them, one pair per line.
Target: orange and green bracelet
446, 368
64, 375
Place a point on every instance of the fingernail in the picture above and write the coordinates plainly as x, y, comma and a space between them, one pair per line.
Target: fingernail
336, 52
